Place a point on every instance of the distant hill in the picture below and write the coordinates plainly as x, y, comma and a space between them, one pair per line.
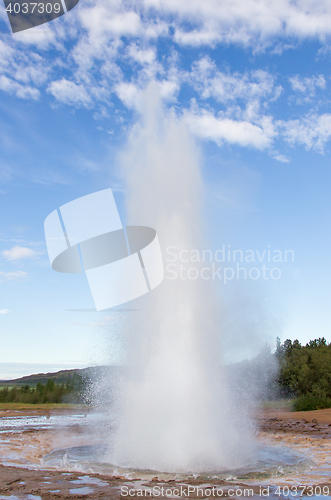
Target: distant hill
60, 377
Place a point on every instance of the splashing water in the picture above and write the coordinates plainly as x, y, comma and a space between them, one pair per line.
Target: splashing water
175, 413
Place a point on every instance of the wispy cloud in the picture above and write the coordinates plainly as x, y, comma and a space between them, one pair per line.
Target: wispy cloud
307, 84
312, 131
19, 253
13, 275
22, 91
305, 89
226, 86
69, 92
116, 56
4, 311
279, 157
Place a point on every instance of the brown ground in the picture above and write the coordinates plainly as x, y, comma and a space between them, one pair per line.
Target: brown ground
21, 482
310, 422
17, 410
322, 416
305, 431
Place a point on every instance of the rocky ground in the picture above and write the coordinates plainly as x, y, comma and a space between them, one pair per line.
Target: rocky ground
312, 422
307, 432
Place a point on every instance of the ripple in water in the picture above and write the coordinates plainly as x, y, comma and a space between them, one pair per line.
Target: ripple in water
270, 461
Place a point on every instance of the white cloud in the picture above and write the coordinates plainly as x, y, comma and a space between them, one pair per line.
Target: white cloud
206, 125
42, 37
18, 253
117, 53
33, 72
69, 92
312, 131
4, 311
210, 21
129, 94
13, 275
303, 84
248, 23
142, 56
21, 71
109, 18
168, 89
279, 157
6, 54
12, 87
305, 88
225, 87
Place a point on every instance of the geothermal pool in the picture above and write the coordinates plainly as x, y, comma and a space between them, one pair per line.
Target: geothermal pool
74, 442
64, 454
270, 461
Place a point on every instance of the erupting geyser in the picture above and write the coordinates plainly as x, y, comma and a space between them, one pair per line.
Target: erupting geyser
174, 410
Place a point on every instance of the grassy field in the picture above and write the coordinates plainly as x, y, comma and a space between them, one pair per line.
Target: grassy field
280, 404
283, 404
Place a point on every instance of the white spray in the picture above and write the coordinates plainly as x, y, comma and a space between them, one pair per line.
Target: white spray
175, 413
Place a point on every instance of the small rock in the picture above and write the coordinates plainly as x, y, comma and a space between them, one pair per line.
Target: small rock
314, 421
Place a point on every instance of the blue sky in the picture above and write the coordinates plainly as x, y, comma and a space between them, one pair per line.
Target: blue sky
250, 80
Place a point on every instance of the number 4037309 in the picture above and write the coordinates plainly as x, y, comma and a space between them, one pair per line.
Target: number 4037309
30, 8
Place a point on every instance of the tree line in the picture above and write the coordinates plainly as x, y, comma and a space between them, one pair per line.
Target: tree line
305, 373
70, 392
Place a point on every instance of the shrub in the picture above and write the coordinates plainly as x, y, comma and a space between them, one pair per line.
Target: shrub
310, 402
